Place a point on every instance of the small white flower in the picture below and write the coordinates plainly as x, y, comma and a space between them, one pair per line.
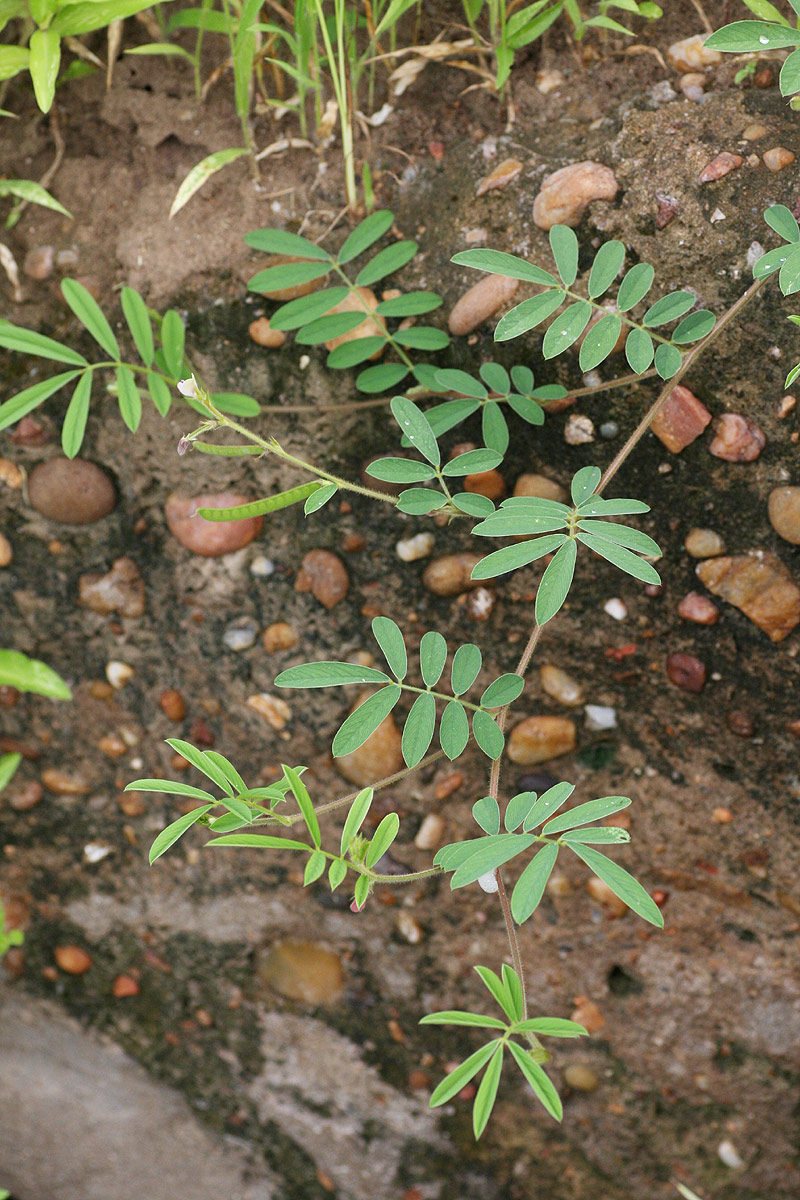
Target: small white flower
188, 387
488, 882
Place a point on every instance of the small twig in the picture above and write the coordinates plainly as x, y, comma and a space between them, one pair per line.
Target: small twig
703, 17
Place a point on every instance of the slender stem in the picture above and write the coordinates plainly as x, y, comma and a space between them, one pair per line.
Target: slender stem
382, 783
516, 956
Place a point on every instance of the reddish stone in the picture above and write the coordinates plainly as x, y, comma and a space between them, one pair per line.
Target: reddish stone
686, 671
737, 438
719, 166
698, 608
682, 419
760, 586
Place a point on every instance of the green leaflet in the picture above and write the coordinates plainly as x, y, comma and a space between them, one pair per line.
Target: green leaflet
621, 883
467, 662
454, 729
418, 729
363, 722
390, 639
432, 657
556, 582
530, 886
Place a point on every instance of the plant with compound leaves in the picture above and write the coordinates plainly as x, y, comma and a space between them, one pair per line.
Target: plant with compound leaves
773, 31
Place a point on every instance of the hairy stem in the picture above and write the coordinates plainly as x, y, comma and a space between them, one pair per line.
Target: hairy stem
516, 956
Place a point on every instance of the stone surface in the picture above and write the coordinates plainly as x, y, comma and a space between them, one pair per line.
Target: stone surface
578, 430
500, 177
720, 166
561, 686
602, 893
450, 574
566, 194
686, 671
737, 438
783, 506
580, 1078
487, 483
538, 739
74, 960
691, 55
704, 543
279, 636
303, 971
379, 756
760, 586
121, 590
698, 608
777, 158
173, 704
210, 539
71, 491
682, 419
480, 302
325, 576
418, 546
540, 486
262, 333
6, 553
430, 834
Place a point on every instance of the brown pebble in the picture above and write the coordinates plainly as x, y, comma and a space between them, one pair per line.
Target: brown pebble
783, 507
123, 986
430, 834
30, 432
262, 333
740, 723
14, 962
418, 1081
325, 576
487, 483
736, 438
559, 885
682, 419
541, 487
362, 299
777, 158
173, 704
480, 302
71, 491
722, 816
6, 553
786, 405
121, 590
500, 177
763, 78
279, 636
63, 784
580, 1078
273, 709
72, 959
10, 474
112, 746
704, 543
211, 539
295, 290
690, 54
587, 1014
38, 263
409, 928
100, 689
451, 574
132, 804
9, 696
561, 686
565, 194
449, 784
604, 896
667, 208
353, 543
760, 586
720, 166
303, 971
686, 671
698, 608
752, 133
538, 739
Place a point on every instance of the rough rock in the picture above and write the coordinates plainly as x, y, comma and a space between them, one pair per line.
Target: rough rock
303, 971
720, 166
578, 430
173, 704
210, 539
538, 739
691, 54
698, 608
379, 756
71, 491
784, 513
500, 177
737, 438
419, 546
760, 586
121, 590
279, 636
325, 576
777, 158
74, 960
363, 298
450, 574
682, 419
565, 194
481, 302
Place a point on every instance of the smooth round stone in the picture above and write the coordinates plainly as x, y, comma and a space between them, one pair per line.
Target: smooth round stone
784, 513
580, 1078
538, 739
211, 539
71, 491
561, 686
704, 543
302, 971
240, 634
541, 487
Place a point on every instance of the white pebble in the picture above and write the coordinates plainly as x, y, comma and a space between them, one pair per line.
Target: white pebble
578, 430
615, 608
730, 1155
261, 566
754, 252
592, 379
489, 882
303, 361
419, 546
95, 852
599, 716
118, 673
717, 215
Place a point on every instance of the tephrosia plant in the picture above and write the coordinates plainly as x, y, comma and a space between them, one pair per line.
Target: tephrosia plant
522, 833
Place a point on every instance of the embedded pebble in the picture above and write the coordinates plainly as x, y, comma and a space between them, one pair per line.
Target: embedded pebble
541, 487
6, 553
667, 209
71, 491
760, 586
602, 893
615, 608
325, 576
95, 852
72, 959
25, 796
121, 590
501, 176
682, 419
61, 783
691, 54
561, 686
210, 539
565, 194
409, 928
430, 834
787, 404
303, 971
10, 474
578, 430
686, 671
600, 716
753, 132
559, 885
538, 739
777, 158
740, 723
480, 604
609, 430
692, 85
372, 326
419, 546
295, 290
173, 704
119, 673
587, 1014
548, 80
262, 333
720, 166
273, 709
722, 816
704, 543
698, 608
38, 263
124, 986
450, 574
486, 483
279, 636
729, 1155
113, 746
737, 438
379, 756
480, 303
240, 634
783, 507
580, 1078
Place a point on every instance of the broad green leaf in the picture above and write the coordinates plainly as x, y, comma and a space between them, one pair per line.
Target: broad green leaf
13, 59
473, 460
594, 810
45, 59
412, 304
256, 508
606, 835
511, 558
628, 562
772, 261
639, 350
504, 690
635, 285
452, 1084
496, 262
789, 275
445, 416
597, 506
621, 883
130, 402
522, 379
551, 1027
564, 245
420, 501
452, 856
336, 873
169, 836
363, 722
454, 729
390, 639
487, 1093
694, 327
382, 839
418, 729
365, 235
745, 37
77, 19
165, 49
415, 427
599, 342
361, 890
136, 315
279, 241
456, 1017
356, 816
530, 886
584, 484
668, 308
173, 337
328, 674
90, 315
517, 809
319, 498
632, 539
466, 665
423, 337
13, 337
236, 403
488, 734
171, 788
381, 377
462, 383
497, 990
353, 353
432, 657
566, 328
300, 793
486, 813
75, 417
527, 315
258, 841
766, 10
548, 803
390, 259
32, 192
540, 1082
199, 175
605, 268
400, 470
314, 868
779, 218
667, 361
529, 410
789, 78
278, 279
8, 767
514, 989
490, 853
473, 504
203, 764
228, 770
494, 429
331, 326
26, 674
495, 377
556, 582
162, 396
303, 310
